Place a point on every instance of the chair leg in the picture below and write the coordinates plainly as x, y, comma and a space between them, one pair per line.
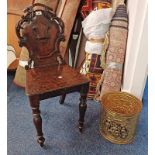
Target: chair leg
82, 106
62, 99
37, 120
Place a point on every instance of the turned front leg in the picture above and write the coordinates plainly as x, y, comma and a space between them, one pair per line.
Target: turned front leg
37, 120
82, 105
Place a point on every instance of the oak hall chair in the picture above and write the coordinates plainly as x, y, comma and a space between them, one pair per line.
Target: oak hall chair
47, 75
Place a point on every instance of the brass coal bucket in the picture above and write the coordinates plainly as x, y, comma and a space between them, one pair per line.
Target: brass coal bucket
119, 116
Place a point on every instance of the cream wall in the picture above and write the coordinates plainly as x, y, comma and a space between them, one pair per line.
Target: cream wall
136, 63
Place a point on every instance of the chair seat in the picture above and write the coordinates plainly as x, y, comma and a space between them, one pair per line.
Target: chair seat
48, 79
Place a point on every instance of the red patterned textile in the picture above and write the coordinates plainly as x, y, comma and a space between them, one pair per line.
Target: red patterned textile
93, 71
86, 8
89, 5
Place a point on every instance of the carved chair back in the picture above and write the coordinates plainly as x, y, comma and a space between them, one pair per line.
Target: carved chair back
41, 32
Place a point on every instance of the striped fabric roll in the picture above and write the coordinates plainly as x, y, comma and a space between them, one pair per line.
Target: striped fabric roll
95, 27
116, 51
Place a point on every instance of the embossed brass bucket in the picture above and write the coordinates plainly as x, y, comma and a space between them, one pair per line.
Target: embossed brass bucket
119, 116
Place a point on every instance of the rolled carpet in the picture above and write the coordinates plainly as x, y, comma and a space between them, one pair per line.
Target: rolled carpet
116, 51
95, 28
116, 3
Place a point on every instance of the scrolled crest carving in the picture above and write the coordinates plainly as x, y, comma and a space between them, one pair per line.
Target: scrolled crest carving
41, 32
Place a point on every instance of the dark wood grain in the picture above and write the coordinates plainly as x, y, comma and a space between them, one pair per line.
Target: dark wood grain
62, 98
46, 79
47, 75
82, 105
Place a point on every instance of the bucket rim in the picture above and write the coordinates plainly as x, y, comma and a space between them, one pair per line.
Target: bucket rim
119, 113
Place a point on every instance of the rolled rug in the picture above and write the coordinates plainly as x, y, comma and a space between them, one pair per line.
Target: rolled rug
116, 51
95, 28
116, 3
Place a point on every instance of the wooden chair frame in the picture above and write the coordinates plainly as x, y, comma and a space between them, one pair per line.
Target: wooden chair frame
41, 32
